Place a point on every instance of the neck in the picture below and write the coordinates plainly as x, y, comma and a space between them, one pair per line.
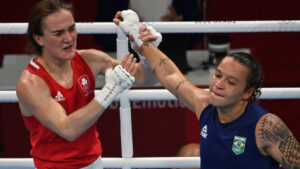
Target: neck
231, 113
55, 66
61, 71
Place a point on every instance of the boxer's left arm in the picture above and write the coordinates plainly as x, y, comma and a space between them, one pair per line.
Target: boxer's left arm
273, 138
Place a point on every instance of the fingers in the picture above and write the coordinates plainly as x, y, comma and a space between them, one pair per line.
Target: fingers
124, 59
116, 21
118, 18
146, 34
149, 38
129, 63
133, 66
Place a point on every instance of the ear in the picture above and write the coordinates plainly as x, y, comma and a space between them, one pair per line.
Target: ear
38, 39
248, 93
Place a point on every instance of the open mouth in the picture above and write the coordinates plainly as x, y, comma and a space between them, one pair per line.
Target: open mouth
67, 47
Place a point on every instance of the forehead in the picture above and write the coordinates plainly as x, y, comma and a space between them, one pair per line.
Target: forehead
61, 19
231, 67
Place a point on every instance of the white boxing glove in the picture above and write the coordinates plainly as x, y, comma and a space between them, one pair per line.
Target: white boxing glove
116, 81
155, 43
131, 25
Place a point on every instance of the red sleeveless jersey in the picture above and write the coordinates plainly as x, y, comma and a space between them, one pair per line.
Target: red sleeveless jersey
49, 150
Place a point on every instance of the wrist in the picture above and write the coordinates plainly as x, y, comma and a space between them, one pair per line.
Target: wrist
134, 31
107, 95
144, 61
117, 80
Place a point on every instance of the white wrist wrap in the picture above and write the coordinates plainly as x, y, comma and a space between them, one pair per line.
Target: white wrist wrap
155, 33
155, 43
116, 81
131, 25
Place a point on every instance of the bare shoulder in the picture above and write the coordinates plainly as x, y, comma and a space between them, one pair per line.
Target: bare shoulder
193, 97
96, 59
29, 89
270, 128
29, 82
274, 139
202, 101
92, 54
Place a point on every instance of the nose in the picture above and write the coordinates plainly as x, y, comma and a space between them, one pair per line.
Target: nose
68, 37
220, 83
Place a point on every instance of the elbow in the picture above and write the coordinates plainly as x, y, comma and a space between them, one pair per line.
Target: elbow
69, 134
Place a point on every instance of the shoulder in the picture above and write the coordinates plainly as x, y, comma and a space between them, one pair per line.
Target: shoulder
270, 130
269, 124
30, 88
29, 81
95, 59
92, 54
274, 139
201, 100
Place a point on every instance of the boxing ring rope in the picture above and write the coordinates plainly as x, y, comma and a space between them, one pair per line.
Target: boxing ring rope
176, 27
139, 162
127, 161
164, 94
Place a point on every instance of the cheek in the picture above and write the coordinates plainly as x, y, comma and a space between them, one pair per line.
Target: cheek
235, 94
74, 35
54, 42
212, 82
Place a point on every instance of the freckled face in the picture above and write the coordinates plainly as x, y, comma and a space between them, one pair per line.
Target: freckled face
228, 83
60, 35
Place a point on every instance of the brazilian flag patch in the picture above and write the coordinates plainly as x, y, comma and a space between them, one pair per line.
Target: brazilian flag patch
239, 144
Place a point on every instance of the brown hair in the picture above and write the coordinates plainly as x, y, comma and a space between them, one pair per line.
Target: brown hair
39, 11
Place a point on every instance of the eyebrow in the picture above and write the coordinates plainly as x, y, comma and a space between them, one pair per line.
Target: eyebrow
62, 30
229, 76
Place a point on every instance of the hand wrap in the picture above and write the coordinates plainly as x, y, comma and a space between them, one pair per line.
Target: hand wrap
131, 25
155, 43
116, 81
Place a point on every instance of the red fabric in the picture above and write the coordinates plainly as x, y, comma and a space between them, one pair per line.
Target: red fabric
49, 149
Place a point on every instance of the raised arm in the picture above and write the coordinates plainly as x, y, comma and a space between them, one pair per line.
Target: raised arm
171, 78
275, 139
164, 69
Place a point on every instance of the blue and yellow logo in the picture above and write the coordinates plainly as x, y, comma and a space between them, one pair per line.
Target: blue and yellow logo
239, 144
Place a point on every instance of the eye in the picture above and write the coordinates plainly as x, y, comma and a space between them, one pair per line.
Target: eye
217, 75
58, 33
231, 83
72, 29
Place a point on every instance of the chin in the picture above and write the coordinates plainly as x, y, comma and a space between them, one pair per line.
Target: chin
216, 104
216, 101
70, 55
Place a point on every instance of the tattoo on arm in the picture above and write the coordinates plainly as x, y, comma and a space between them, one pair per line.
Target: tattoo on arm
162, 61
179, 84
177, 87
274, 131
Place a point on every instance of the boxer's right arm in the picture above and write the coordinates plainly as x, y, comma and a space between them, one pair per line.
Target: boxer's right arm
35, 99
